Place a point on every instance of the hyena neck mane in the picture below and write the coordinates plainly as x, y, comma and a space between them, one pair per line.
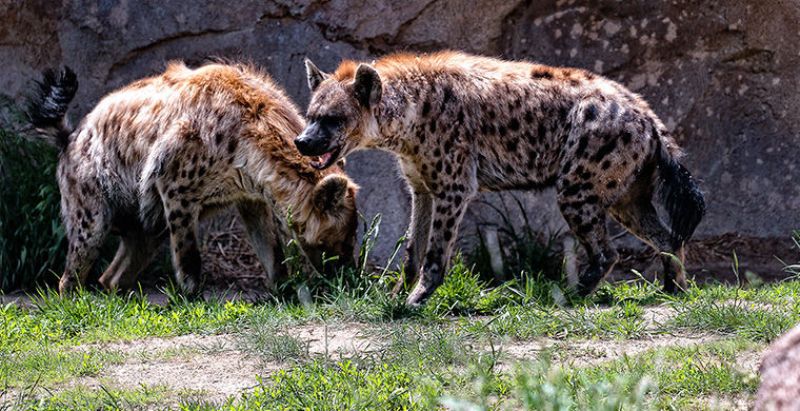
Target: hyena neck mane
281, 173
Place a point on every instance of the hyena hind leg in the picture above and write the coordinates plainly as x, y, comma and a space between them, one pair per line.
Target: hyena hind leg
86, 229
640, 218
182, 220
587, 220
135, 252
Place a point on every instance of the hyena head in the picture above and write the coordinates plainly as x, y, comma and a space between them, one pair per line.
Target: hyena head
330, 228
338, 114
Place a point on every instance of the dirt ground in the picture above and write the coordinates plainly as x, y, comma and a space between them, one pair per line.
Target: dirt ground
216, 367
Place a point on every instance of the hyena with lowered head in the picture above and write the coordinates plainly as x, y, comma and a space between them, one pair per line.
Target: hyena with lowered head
461, 123
154, 157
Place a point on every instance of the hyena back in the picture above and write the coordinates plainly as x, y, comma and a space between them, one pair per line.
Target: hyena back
460, 123
153, 158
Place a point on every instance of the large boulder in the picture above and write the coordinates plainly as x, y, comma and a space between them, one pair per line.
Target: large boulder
780, 375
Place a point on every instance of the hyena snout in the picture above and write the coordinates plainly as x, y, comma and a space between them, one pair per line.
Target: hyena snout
319, 140
313, 141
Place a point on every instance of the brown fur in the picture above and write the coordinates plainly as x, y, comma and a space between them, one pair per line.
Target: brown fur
154, 157
461, 123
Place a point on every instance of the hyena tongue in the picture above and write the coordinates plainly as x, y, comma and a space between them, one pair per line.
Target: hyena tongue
325, 157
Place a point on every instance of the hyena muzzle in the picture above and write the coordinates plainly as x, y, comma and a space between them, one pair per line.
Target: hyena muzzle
153, 158
460, 123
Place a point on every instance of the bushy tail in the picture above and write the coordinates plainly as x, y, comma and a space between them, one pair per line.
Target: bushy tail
680, 196
48, 105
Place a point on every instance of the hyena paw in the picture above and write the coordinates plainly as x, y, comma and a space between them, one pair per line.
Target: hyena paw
419, 295
67, 284
587, 283
190, 286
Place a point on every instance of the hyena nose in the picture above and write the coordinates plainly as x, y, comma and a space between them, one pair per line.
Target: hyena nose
304, 145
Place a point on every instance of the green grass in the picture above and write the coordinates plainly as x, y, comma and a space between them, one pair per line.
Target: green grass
447, 353
452, 352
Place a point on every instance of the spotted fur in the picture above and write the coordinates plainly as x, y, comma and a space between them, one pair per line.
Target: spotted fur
153, 158
460, 123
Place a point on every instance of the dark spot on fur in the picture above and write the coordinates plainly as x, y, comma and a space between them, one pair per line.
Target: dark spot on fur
446, 97
437, 224
448, 235
592, 199
528, 117
541, 73
582, 144
513, 125
448, 145
605, 150
571, 190
613, 110
626, 137
590, 114
605, 165
511, 145
232, 143
611, 184
426, 108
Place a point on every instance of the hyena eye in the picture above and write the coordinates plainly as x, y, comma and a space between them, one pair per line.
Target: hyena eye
331, 121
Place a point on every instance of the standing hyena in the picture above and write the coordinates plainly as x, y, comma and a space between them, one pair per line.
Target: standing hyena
157, 155
462, 123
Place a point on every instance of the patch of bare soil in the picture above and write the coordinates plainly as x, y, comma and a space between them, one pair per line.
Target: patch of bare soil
341, 339
590, 352
206, 365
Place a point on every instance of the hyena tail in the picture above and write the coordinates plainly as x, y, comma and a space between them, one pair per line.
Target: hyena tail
47, 107
680, 196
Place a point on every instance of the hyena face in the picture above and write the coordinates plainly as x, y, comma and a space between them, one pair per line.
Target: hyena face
338, 113
331, 227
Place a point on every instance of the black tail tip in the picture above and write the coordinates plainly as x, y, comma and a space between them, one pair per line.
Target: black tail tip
51, 97
683, 200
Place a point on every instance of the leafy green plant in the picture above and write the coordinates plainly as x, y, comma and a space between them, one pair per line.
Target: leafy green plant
32, 243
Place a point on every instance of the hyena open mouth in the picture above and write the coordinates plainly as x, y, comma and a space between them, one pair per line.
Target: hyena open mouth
326, 160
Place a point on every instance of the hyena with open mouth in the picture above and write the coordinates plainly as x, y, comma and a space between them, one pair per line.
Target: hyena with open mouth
154, 157
460, 123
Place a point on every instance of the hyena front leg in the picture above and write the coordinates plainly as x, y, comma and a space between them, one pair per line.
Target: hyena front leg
259, 222
419, 235
639, 216
448, 211
587, 220
87, 224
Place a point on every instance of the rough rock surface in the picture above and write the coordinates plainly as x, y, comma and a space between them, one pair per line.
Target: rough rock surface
780, 375
723, 74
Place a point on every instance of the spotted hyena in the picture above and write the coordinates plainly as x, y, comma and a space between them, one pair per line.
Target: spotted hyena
460, 124
154, 157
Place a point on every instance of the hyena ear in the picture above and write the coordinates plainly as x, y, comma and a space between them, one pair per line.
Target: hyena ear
314, 75
367, 86
330, 193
